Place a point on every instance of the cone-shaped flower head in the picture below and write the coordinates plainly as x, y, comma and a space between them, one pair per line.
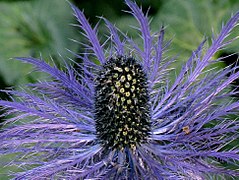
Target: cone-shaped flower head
118, 115
122, 104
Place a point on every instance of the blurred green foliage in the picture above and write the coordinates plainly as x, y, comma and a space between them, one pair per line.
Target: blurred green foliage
33, 28
189, 22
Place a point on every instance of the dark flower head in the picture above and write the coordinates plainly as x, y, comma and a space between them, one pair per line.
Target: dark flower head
121, 117
121, 104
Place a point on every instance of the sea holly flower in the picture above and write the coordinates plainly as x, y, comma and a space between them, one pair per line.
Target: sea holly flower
121, 117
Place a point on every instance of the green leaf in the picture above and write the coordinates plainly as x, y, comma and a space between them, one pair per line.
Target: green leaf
37, 29
189, 22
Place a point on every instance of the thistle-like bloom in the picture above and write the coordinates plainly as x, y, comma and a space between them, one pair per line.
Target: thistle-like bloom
121, 117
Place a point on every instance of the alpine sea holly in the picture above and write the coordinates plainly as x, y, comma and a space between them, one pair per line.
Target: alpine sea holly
121, 117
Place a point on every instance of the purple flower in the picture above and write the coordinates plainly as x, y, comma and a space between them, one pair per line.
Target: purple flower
121, 117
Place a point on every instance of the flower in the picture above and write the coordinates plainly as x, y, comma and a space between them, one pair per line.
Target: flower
121, 117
